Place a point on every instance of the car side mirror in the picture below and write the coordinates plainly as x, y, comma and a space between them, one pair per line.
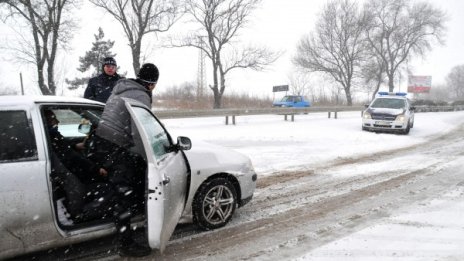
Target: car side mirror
184, 143
366, 105
413, 108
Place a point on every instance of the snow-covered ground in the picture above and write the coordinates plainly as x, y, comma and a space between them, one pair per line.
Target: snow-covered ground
313, 139
432, 230
428, 231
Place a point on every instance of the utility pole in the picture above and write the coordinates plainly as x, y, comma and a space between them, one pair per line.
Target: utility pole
22, 86
201, 73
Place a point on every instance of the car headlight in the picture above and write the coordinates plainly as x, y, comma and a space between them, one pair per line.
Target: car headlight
400, 118
366, 115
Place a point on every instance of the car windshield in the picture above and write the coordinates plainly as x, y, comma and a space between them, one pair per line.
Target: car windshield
287, 99
388, 103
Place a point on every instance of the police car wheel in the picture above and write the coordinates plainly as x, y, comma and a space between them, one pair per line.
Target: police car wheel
406, 131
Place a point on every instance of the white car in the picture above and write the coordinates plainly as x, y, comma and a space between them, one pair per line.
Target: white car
389, 112
204, 184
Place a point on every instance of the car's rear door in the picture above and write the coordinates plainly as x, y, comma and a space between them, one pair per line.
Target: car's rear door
24, 198
168, 176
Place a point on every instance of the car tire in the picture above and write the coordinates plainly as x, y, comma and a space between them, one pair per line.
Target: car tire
214, 204
406, 131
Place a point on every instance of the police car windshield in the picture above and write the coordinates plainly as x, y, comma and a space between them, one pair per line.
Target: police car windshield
388, 103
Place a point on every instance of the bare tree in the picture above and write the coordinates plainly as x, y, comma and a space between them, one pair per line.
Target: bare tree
8, 90
299, 83
455, 81
220, 21
440, 93
373, 74
399, 29
51, 24
140, 17
337, 45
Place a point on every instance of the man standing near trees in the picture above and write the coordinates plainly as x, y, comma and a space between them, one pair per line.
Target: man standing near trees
101, 86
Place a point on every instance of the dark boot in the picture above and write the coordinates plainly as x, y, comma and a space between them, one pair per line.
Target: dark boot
133, 249
127, 245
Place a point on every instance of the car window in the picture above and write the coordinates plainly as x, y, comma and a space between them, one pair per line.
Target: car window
16, 137
158, 138
388, 103
69, 122
71, 117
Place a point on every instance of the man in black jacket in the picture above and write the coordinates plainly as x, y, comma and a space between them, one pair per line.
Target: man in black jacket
114, 142
101, 86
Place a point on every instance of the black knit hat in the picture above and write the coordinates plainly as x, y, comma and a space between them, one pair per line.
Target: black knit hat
148, 73
109, 61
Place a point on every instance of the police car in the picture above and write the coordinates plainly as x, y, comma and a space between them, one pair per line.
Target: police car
389, 112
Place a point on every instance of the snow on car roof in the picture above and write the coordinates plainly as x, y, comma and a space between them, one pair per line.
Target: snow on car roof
32, 99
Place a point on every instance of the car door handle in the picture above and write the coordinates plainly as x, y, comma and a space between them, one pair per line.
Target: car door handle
166, 179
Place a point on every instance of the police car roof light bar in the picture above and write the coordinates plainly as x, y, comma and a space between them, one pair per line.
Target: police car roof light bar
392, 93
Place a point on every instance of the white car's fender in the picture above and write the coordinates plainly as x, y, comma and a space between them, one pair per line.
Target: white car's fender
207, 159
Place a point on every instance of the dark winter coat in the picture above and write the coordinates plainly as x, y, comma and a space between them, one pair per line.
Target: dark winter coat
114, 137
115, 124
74, 161
100, 87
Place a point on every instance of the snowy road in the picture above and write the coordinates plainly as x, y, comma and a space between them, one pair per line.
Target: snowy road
329, 191
296, 212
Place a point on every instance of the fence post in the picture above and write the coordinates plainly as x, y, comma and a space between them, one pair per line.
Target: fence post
329, 114
233, 119
227, 120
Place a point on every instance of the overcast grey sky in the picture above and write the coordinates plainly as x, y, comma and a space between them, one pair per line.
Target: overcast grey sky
278, 24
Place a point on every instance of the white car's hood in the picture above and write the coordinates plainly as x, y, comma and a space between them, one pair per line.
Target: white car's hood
387, 111
216, 159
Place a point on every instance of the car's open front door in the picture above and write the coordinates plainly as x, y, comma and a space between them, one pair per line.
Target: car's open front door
167, 177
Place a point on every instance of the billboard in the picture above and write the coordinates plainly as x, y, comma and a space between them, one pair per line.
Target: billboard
419, 84
280, 88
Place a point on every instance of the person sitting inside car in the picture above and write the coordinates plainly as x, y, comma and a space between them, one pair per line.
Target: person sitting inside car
86, 170
80, 178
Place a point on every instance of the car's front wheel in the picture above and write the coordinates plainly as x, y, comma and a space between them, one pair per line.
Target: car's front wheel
406, 131
214, 204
